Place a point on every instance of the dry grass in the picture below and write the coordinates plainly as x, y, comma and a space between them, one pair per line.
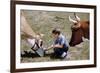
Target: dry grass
44, 22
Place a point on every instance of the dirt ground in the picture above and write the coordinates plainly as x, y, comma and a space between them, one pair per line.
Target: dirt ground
44, 22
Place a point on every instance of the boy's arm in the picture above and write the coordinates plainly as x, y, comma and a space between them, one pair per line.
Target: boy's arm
49, 47
58, 46
54, 46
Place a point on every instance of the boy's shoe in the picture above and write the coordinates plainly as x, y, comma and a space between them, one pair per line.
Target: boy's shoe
64, 55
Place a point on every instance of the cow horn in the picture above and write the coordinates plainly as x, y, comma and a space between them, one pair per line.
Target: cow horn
77, 18
72, 20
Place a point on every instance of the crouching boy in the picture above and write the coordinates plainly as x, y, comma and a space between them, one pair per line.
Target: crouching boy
60, 45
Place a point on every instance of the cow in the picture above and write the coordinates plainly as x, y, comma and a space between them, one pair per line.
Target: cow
29, 35
80, 30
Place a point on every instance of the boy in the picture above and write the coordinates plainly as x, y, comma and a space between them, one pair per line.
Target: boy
60, 45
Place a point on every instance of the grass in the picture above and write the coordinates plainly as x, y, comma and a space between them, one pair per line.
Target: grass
44, 22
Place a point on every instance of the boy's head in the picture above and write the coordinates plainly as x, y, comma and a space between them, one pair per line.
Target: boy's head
56, 32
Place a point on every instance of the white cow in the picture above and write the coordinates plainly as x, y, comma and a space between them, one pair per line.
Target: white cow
29, 35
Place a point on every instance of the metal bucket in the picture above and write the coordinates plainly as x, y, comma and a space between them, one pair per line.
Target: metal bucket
40, 52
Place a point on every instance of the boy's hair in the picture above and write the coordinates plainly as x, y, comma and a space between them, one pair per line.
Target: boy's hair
56, 31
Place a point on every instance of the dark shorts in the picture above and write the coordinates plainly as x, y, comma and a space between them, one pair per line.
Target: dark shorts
59, 51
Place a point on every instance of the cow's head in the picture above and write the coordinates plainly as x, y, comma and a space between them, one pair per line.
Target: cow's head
77, 32
36, 43
39, 41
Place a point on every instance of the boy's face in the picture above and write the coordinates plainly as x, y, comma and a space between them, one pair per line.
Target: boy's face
55, 35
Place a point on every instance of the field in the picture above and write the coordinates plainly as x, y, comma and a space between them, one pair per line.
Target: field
44, 22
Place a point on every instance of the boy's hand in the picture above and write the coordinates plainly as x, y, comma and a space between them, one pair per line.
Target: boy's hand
49, 47
52, 46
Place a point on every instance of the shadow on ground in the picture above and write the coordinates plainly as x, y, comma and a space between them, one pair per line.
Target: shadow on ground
30, 54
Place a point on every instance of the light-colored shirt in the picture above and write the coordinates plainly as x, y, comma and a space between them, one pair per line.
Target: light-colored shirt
61, 40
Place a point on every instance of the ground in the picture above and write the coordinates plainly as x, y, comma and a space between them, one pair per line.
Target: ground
44, 22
